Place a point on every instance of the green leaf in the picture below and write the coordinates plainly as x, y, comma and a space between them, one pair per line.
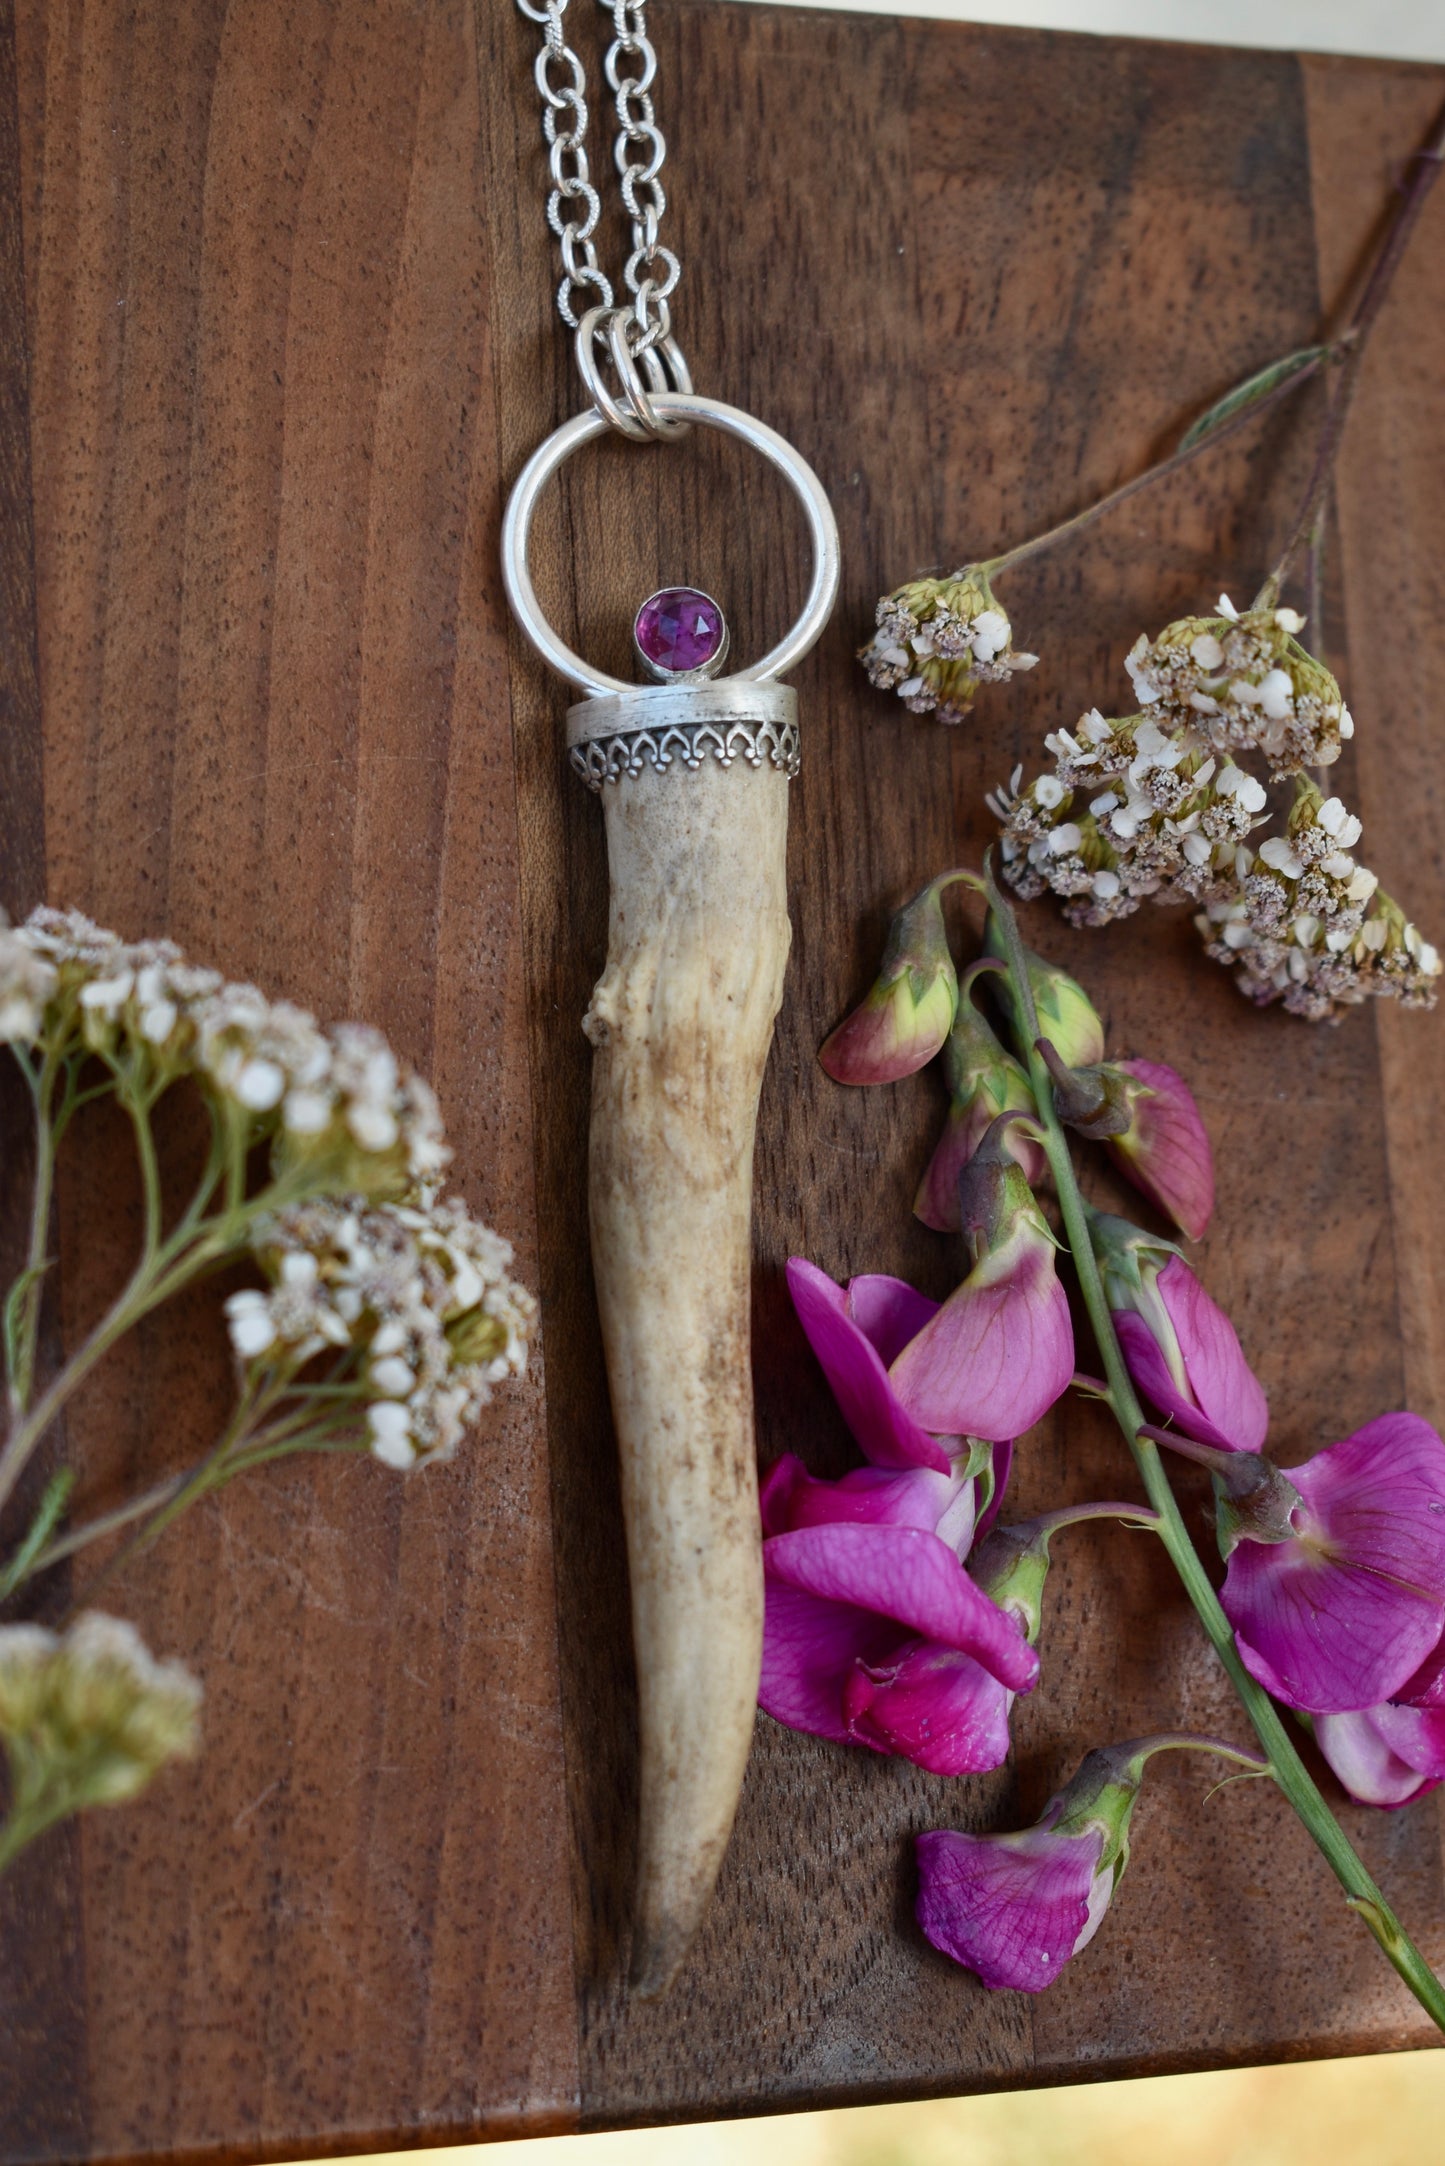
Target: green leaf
1252, 389
42, 1526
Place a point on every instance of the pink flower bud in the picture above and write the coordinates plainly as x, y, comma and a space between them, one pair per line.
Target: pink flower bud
906, 1017
1181, 1348
1014, 1908
1165, 1150
983, 1081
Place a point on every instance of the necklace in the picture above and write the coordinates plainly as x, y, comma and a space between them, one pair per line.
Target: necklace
693, 769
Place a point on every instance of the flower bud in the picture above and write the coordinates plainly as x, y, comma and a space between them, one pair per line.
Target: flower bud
908, 1014
1182, 1351
1165, 1149
1067, 1016
983, 1081
1011, 1565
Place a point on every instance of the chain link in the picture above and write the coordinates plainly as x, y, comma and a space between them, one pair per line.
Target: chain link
574, 207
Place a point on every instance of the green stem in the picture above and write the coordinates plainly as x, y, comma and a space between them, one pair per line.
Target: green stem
1068, 528
1290, 1771
27, 1296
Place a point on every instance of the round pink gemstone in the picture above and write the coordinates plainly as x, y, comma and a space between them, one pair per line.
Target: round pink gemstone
679, 629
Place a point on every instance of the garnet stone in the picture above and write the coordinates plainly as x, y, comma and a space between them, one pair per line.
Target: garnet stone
679, 632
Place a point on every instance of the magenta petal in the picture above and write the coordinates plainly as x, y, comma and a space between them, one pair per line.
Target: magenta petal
887, 1433
1385, 1755
1013, 1908
1343, 1616
1224, 1404
809, 1647
910, 1576
874, 1496
1166, 1153
930, 1705
888, 1312
999, 1352
1427, 1687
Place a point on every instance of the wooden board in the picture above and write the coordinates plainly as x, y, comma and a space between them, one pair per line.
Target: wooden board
287, 298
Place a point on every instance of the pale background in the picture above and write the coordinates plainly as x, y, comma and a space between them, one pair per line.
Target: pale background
1383, 2112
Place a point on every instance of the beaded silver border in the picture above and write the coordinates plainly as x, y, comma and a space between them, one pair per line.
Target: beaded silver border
601, 760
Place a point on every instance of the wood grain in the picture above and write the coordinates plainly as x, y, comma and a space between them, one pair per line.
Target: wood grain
289, 333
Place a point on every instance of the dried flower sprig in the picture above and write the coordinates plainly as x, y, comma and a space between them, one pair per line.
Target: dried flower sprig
385, 1319
87, 1717
938, 640
1159, 804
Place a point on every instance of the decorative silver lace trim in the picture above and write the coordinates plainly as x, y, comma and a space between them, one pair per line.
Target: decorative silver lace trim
607, 759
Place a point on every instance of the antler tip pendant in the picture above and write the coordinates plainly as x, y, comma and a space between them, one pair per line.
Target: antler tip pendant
694, 777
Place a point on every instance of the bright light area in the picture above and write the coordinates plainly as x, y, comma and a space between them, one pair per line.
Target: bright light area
1388, 29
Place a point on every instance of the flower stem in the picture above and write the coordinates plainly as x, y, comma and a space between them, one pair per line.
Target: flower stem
1160, 471
1290, 1771
23, 1303
1426, 170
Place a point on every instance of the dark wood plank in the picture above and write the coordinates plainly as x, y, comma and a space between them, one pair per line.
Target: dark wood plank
1083, 306
1392, 565
290, 333
265, 456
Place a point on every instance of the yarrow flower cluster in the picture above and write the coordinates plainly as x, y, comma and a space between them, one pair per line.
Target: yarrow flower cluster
1155, 805
419, 1294
1304, 924
87, 1717
386, 1319
333, 1099
1163, 817
938, 640
1244, 683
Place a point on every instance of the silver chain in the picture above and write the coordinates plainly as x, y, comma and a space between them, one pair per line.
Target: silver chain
642, 332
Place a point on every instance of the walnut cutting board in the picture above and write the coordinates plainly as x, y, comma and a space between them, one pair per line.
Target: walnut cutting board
276, 333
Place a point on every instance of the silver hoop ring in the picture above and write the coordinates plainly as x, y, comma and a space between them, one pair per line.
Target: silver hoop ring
709, 414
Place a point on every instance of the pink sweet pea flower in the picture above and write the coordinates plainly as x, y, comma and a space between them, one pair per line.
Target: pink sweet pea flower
907, 1014
1182, 1350
1339, 1599
1014, 1908
1165, 1149
874, 1633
